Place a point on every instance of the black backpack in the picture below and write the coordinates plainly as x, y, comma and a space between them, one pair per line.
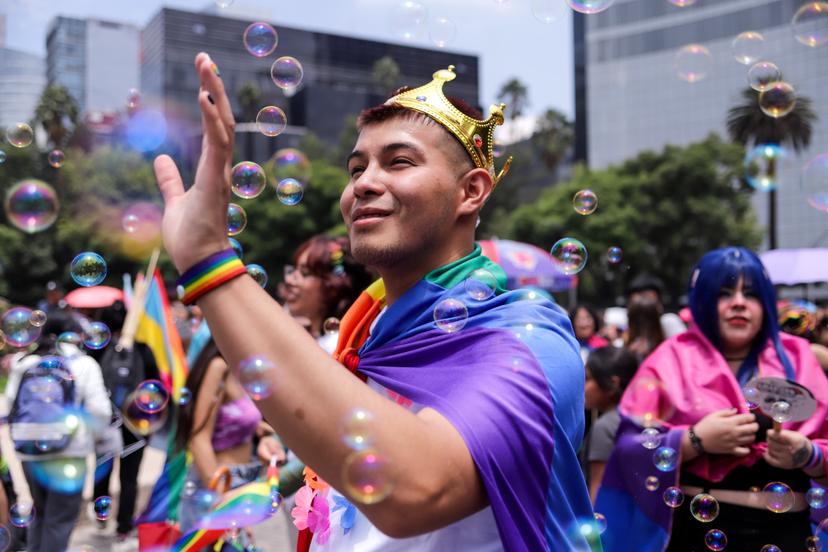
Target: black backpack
122, 369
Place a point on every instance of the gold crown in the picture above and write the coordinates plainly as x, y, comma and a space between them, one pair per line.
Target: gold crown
475, 135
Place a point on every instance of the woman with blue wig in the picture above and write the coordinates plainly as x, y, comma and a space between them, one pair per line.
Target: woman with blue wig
691, 458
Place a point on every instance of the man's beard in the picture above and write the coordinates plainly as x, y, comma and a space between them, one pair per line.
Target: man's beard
377, 256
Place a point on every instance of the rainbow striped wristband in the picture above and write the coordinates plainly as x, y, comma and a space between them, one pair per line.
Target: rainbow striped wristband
208, 274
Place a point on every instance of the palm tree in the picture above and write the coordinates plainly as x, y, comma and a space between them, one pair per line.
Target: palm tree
249, 97
553, 135
385, 74
748, 125
515, 94
57, 112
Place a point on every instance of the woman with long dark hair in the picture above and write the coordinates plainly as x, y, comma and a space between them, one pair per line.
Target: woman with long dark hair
644, 333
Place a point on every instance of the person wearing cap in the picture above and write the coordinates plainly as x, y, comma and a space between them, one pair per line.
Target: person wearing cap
472, 401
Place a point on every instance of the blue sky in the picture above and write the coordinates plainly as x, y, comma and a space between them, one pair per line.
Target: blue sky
506, 36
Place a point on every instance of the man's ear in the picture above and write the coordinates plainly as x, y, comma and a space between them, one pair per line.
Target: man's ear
476, 186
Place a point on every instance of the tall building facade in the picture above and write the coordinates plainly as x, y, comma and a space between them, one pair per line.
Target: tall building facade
631, 99
22, 78
97, 61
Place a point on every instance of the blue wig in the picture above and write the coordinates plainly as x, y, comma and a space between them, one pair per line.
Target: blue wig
722, 268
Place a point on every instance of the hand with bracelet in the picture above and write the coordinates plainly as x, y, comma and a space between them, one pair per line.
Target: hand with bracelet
790, 450
725, 432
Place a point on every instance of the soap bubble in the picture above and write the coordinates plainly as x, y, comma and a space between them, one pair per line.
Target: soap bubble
693, 62
442, 32
408, 20
615, 255
651, 438
290, 191
247, 179
715, 539
797, 317
56, 158
237, 247
673, 497
779, 498
780, 411
103, 507
481, 284
762, 166
22, 514
185, 397
763, 74
810, 24
547, 11
271, 121
255, 374
367, 477
590, 6
651, 483
777, 99
260, 39
450, 315
286, 72
665, 458
652, 404
31, 205
133, 99
97, 336
2, 157
71, 338
258, 273
330, 325
289, 163
817, 544
236, 219
358, 429
142, 221
19, 135
815, 182
748, 47
88, 269
38, 318
585, 202
17, 326
139, 421
752, 396
704, 507
600, 522
816, 497
570, 255
770, 548
151, 396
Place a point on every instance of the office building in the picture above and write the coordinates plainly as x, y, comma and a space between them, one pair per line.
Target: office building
22, 78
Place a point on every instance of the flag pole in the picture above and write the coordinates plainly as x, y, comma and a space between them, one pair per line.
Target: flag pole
127, 339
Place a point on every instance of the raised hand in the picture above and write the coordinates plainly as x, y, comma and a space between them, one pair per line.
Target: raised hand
195, 221
727, 432
787, 449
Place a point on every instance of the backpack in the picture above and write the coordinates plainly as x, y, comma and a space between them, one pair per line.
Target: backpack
122, 369
39, 419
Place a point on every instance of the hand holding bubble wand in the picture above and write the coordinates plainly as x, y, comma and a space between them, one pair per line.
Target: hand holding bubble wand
782, 400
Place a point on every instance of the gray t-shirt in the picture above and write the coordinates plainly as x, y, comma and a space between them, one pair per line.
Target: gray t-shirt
601, 439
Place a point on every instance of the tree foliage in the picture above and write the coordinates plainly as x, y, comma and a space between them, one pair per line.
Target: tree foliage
747, 124
516, 96
57, 112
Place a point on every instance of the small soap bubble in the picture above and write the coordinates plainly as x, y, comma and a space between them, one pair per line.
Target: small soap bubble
185, 397
585, 202
133, 99
31, 205
665, 458
286, 72
290, 191
16, 325
615, 255
271, 121
547, 11
450, 315
19, 135
237, 247
748, 47
330, 325
258, 273
815, 182
71, 338
38, 318
88, 269
673, 497
358, 429
762, 165
2, 157
21, 514
652, 404
600, 522
190, 488
590, 6
255, 374
367, 477
797, 318
56, 158
260, 39
777, 99
716, 540
97, 336
103, 507
570, 255
142, 221
651, 483
770, 548
763, 74
812, 544
779, 498
810, 24
290, 163
481, 284
151, 396
139, 421
693, 63
408, 20
650, 438
816, 497
704, 507
442, 31
780, 411
236, 219
247, 179
752, 396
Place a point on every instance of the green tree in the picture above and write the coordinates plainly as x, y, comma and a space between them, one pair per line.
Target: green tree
249, 97
516, 97
57, 112
748, 125
553, 136
385, 75
663, 209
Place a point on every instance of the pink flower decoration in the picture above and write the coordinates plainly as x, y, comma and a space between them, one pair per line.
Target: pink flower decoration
304, 501
318, 519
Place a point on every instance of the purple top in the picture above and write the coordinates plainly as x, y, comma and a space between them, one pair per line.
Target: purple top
235, 424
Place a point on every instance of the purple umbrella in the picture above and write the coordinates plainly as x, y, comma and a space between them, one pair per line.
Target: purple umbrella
796, 266
527, 265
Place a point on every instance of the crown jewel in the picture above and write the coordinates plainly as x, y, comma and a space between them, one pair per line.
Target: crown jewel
476, 136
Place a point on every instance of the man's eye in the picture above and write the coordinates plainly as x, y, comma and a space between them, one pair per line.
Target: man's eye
401, 160
356, 170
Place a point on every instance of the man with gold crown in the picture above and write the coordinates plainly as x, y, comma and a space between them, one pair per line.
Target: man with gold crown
469, 397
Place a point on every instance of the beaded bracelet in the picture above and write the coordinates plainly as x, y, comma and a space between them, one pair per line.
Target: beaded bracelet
816, 457
208, 274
